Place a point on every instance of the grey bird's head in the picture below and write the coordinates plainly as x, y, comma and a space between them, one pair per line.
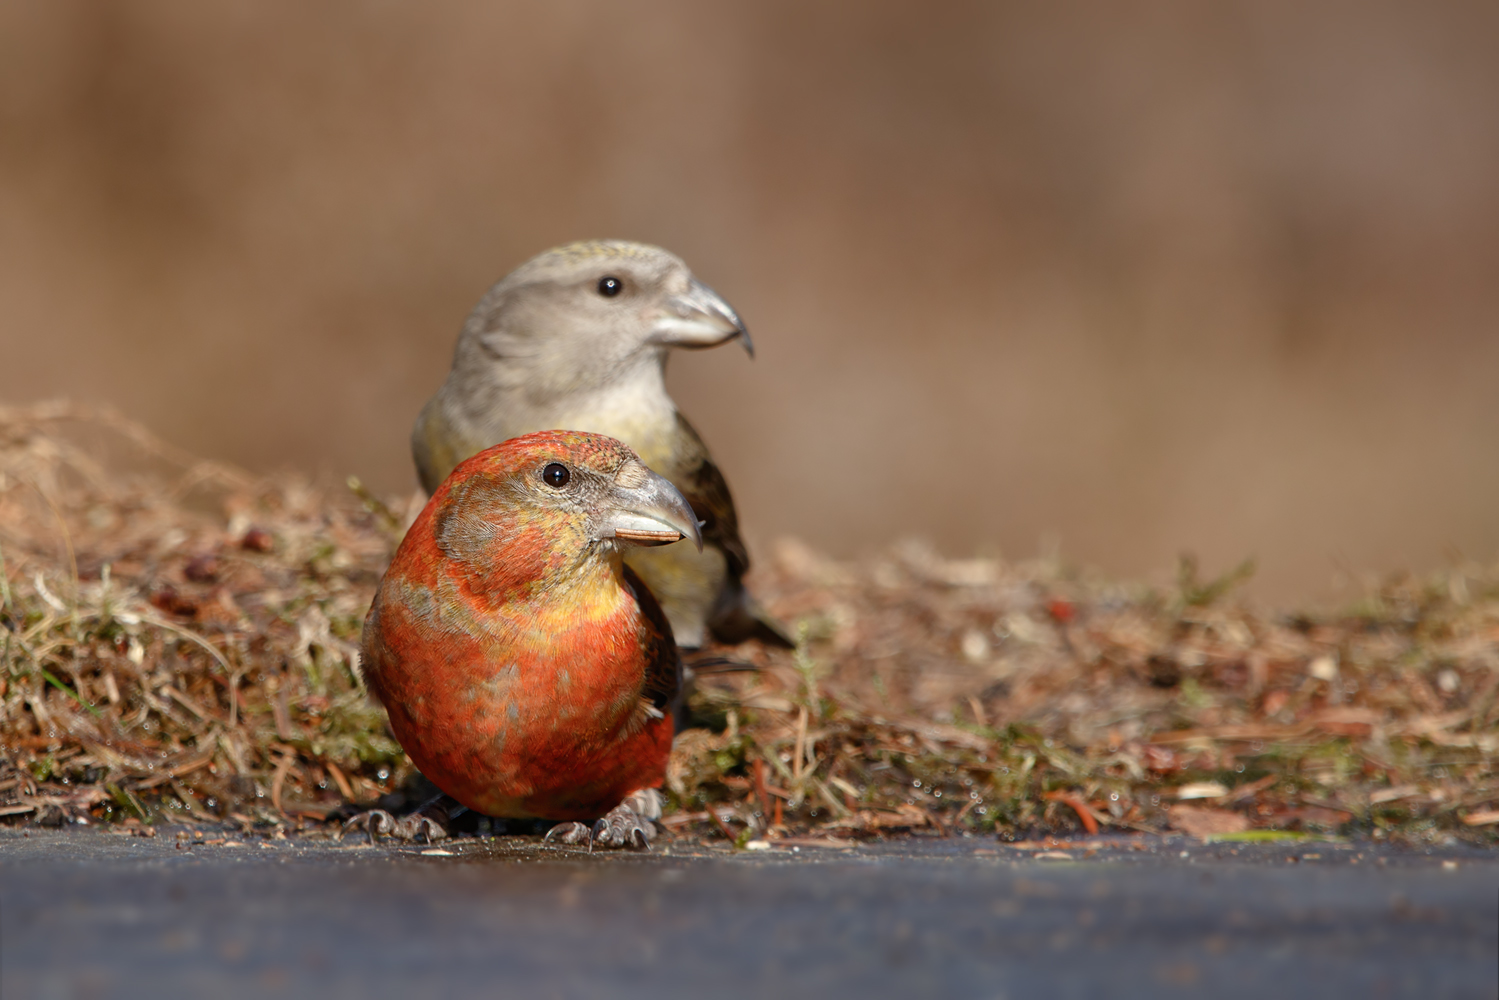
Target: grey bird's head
587, 317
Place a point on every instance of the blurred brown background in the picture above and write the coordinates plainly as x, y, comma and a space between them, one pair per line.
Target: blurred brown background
1140, 277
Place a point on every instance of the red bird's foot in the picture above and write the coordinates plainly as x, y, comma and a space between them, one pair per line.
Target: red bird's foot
647, 803
623, 827
379, 823
627, 825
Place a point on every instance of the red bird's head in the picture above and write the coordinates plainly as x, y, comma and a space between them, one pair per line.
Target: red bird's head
537, 511
525, 669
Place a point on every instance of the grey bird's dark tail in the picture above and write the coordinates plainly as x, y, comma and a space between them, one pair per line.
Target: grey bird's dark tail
737, 618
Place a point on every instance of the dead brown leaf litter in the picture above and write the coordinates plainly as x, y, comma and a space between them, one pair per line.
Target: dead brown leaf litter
178, 641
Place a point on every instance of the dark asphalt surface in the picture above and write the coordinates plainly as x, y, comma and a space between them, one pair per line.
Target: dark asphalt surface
96, 915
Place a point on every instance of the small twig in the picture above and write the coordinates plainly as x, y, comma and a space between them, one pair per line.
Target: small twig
1079, 806
5, 598
186, 702
234, 699
281, 713
760, 791
279, 779
187, 634
801, 742
172, 774
978, 711
839, 809
190, 802
964, 811
338, 778
1248, 790
722, 826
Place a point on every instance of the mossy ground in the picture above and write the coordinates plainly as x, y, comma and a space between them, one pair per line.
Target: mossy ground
178, 640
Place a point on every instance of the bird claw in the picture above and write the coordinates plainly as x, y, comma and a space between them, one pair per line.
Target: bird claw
624, 826
621, 827
379, 823
627, 825
570, 832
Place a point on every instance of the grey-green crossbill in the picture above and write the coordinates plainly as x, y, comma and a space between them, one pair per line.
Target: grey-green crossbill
577, 338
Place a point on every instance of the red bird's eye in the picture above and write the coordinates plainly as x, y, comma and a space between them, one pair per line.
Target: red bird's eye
556, 475
610, 286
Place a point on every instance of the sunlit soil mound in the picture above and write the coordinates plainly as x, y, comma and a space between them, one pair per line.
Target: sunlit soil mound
178, 642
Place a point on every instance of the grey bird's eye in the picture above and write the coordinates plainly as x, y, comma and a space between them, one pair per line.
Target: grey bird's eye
556, 475
610, 286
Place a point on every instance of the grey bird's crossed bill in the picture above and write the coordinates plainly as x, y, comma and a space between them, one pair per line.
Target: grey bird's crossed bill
577, 338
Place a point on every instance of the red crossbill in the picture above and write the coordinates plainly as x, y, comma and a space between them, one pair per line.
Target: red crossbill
579, 337
526, 670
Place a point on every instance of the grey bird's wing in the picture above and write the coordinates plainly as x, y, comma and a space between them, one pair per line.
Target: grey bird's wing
734, 616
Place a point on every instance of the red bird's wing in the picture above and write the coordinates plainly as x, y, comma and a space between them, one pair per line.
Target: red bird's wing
663, 664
